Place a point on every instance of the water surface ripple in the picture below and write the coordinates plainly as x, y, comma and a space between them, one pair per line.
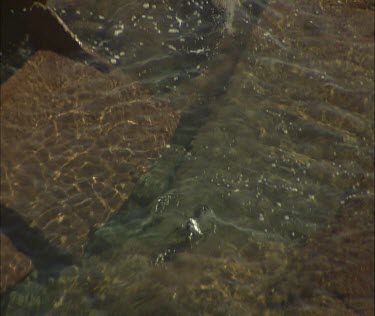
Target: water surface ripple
262, 203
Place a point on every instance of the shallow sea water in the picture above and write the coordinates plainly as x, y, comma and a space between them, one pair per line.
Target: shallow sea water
262, 201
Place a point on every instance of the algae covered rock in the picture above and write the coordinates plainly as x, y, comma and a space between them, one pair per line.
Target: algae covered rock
157, 180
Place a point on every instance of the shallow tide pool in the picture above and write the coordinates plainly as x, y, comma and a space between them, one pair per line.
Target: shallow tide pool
223, 166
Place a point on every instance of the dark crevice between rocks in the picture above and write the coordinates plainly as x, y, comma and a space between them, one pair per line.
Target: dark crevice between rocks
47, 259
217, 79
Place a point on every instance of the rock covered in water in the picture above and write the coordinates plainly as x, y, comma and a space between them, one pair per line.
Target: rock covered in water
73, 143
29, 25
14, 264
162, 42
157, 180
334, 272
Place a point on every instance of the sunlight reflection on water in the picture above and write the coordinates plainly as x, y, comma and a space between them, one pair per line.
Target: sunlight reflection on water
270, 166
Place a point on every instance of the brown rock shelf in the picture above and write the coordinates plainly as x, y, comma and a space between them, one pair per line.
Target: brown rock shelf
73, 143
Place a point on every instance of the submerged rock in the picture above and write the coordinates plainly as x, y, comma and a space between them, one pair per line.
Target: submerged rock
274, 157
160, 176
27, 26
333, 274
14, 265
73, 143
163, 43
